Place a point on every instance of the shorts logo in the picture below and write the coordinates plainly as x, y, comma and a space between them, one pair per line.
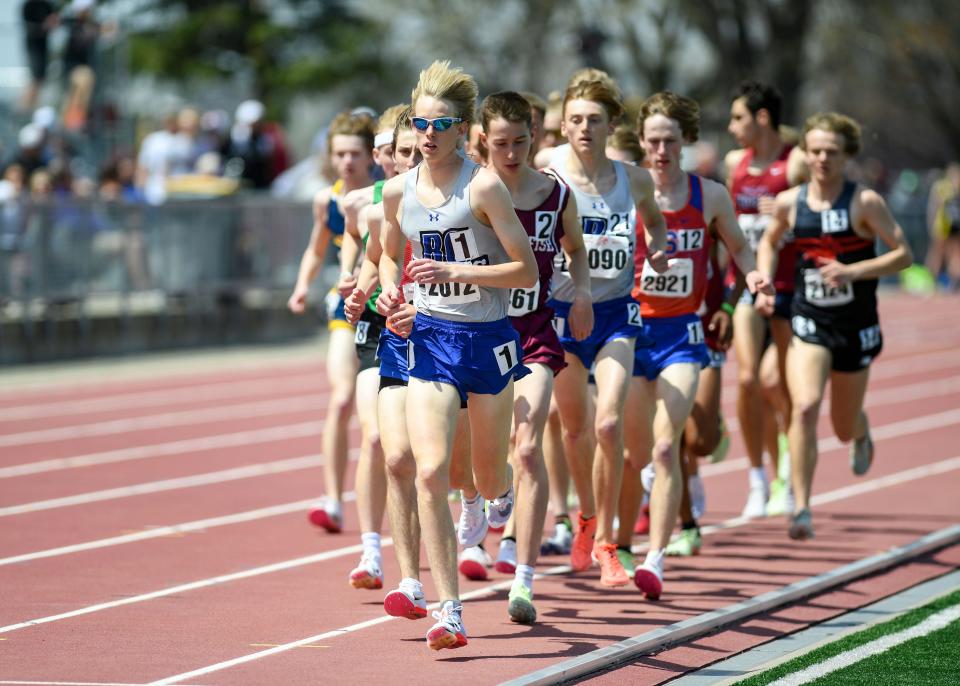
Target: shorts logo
803, 326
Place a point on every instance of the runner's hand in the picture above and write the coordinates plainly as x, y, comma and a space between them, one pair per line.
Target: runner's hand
581, 317
389, 300
401, 322
764, 304
353, 305
721, 324
298, 301
346, 284
430, 271
758, 283
834, 273
658, 260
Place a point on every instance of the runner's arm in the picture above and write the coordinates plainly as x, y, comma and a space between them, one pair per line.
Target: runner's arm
654, 225
725, 221
313, 254
581, 311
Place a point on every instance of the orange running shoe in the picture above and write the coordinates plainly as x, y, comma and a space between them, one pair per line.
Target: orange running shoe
583, 543
611, 571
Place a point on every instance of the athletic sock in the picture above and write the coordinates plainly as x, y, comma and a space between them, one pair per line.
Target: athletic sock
371, 545
524, 575
411, 585
654, 559
757, 475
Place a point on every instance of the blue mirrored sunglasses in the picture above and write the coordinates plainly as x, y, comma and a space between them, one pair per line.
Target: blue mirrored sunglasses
439, 124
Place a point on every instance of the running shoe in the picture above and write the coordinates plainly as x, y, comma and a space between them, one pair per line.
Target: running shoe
500, 509
507, 557
757, 497
402, 602
687, 544
861, 454
642, 525
520, 607
611, 571
448, 632
474, 562
780, 496
472, 527
367, 574
801, 525
582, 545
559, 543
649, 579
627, 560
698, 495
719, 453
327, 516
783, 465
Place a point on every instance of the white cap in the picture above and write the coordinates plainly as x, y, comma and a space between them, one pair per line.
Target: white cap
249, 112
45, 117
81, 5
30, 136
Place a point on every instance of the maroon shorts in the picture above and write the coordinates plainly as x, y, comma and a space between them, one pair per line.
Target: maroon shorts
539, 339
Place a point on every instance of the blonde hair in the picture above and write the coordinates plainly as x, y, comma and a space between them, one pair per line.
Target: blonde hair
599, 92
346, 124
685, 111
388, 120
834, 122
591, 74
402, 123
444, 82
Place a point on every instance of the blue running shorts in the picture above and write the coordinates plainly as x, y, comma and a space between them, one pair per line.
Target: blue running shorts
675, 340
619, 318
473, 357
392, 352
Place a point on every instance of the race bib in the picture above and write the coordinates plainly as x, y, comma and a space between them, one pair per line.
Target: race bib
524, 300
432, 295
363, 329
695, 332
818, 293
676, 282
506, 356
607, 255
633, 314
753, 226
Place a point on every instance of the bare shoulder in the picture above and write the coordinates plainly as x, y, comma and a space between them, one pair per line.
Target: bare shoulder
393, 188
788, 198
715, 193
542, 159
640, 178
869, 198
355, 200
322, 199
733, 158
486, 183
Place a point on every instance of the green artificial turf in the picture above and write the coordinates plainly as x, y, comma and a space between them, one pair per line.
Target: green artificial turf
932, 660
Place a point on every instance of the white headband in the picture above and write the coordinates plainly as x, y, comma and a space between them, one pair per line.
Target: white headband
382, 138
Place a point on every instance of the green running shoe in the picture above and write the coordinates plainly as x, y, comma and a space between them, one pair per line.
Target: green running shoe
780, 501
687, 544
628, 561
521, 607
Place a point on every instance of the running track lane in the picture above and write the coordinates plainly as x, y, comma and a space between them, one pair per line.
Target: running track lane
205, 627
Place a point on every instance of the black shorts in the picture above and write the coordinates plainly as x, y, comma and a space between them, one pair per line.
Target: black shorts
852, 348
782, 303
391, 381
367, 338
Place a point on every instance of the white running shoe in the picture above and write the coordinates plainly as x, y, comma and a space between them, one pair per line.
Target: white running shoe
448, 632
560, 542
474, 563
408, 603
757, 497
367, 574
500, 509
647, 475
698, 495
507, 557
472, 528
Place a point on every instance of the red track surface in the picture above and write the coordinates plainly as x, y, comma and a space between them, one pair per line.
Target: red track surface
154, 432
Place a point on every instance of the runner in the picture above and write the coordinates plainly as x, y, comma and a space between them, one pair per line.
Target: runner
468, 248
666, 375
836, 328
351, 142
551, 224
609, 195
371, 483
764, 166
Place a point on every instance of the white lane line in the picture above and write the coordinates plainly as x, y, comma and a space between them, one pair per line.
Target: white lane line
933, 623
194, 585
729, 524
188, 445
158, 397
67, 683
245, 472
263, 408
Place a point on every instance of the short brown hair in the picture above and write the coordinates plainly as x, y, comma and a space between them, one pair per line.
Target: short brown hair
834, 123
596, 91
685, 111
346, 124
536, 102
507, 105
626, 139
592, 74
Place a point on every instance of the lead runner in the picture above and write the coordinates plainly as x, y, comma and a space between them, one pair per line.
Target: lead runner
468, 249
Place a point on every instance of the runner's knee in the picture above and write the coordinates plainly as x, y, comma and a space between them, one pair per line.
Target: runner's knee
609, 429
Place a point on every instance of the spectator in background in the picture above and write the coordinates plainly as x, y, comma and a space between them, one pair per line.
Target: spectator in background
185, 146
31, 153
257, 144
83, 32
39, 17
307, 177
154, 160
14, 263
943, 219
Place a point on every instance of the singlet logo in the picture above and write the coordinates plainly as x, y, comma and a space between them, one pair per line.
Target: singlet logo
834, 221
434, 217
599, 205
617, 223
